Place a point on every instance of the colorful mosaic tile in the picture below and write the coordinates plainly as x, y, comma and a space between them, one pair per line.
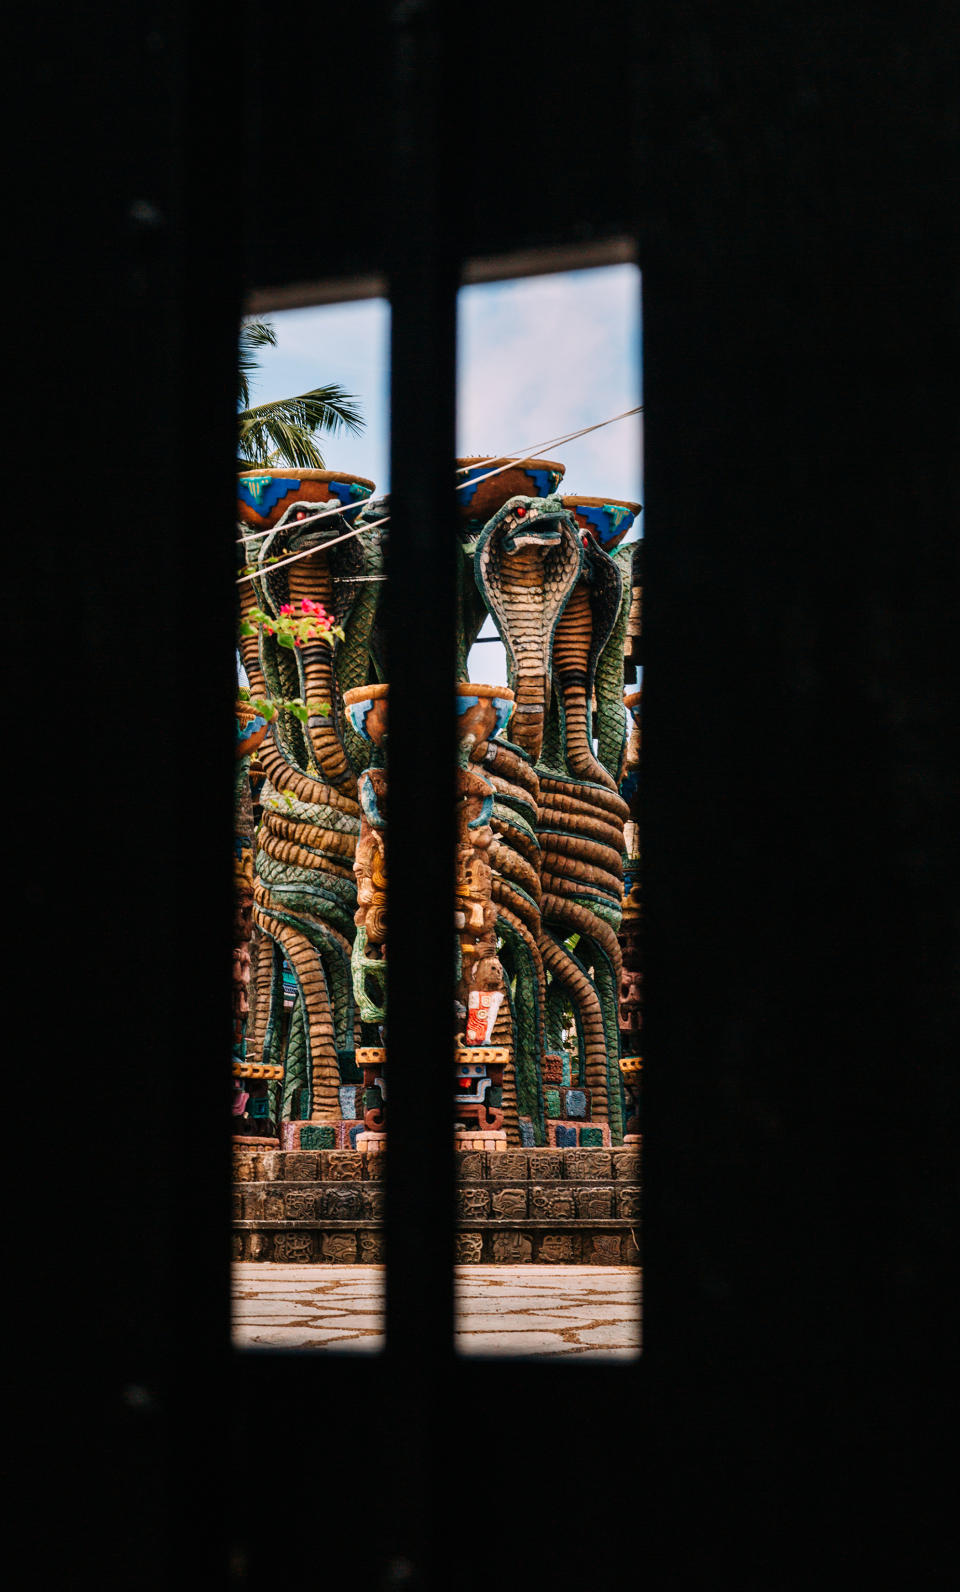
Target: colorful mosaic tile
316, 1136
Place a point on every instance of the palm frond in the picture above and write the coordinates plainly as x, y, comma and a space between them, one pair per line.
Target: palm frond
321, 409
253, 335
275, 438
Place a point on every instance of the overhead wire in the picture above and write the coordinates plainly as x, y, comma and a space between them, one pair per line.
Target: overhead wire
328, 508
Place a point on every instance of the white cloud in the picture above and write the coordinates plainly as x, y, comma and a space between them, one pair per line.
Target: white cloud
538, 357
545, 355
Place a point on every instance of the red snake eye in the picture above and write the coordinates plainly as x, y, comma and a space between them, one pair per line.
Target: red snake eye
520, 510
586, 539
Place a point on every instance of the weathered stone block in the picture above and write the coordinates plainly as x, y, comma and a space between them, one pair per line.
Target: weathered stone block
298, 1166
372, 1201
269, 1165
575, 1103
559, 1249
236, 1205
552, 1200
236, 1246
371, 1248
243, 1168
374, 1167
302, 1204
594, 1201
510, 1202
470, 1165
630, 1248
628, 1201
512, 1248
339, 1248
508, 1166
273, 1206
553, 1069
469, 1249
252, 1199
348, 1099
259, 1246
587, 1166
563, 1135
527, 1136
297, 1247
473, 1201
601, 1249
343, 1166
626, 1165
342, 1202
545, 1164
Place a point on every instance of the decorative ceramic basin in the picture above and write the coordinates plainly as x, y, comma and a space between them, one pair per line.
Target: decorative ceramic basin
483, 710
263, 495
607, 520
251, 729
366, 708
478, 500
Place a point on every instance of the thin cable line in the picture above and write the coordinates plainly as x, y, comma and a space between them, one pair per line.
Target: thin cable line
551, 442
322, 511
268, 569
328, 509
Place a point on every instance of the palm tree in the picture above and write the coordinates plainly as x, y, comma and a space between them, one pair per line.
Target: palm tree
282, 432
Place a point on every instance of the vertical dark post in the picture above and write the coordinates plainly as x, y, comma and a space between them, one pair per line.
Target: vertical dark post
421, 747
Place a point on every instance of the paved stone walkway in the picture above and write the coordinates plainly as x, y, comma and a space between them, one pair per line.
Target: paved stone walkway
542, 1310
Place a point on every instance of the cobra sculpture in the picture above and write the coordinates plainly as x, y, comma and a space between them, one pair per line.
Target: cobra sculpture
305, 893
551, 816
557, 597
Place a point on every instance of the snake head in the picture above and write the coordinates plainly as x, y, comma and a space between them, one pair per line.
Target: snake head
528, 521
306, 527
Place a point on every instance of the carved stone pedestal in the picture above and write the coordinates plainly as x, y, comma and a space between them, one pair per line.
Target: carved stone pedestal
480, 1139
372, 1143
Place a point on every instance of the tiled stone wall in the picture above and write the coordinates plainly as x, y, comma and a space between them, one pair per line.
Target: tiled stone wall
548, 1205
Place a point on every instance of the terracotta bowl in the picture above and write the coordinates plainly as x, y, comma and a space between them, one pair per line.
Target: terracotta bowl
607, 519
482, 710
478, 500
263, 495
252, 728
366, 708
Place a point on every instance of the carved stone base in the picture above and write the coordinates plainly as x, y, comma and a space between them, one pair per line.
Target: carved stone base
480, 1139
632, 1138
373, 1143
545, 1206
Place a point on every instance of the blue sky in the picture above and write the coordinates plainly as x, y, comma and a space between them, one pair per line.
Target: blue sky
537, 357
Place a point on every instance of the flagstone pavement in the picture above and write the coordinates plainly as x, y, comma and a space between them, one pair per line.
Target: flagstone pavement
588, 1311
